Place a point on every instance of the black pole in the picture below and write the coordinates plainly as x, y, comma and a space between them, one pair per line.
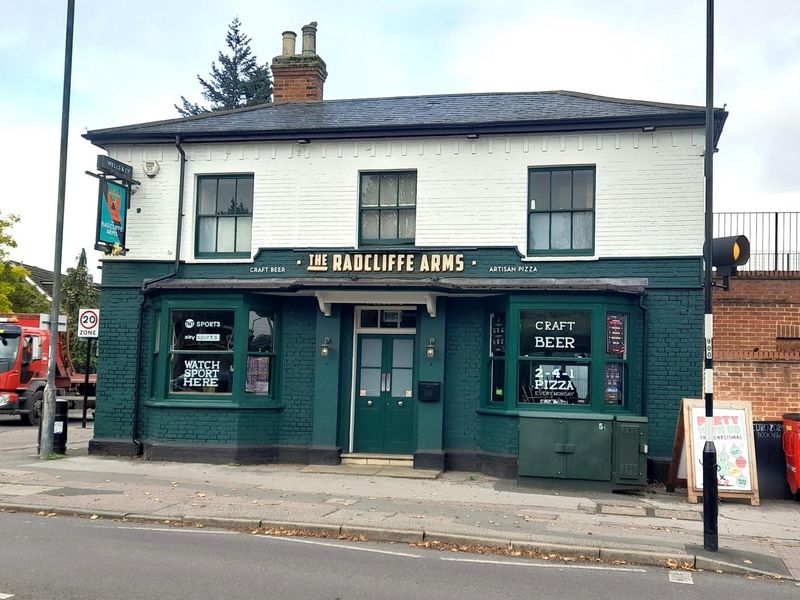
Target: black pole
777, 252
710, 491
49, 403
86, 379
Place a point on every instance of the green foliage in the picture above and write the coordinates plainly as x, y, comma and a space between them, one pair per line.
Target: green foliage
237, 81
78, 291
16, 294
7, 275
6, 241
26, 298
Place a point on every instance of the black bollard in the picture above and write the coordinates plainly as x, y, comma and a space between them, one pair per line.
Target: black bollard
60, 426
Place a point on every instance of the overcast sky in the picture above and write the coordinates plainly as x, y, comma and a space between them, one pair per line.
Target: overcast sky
134, 59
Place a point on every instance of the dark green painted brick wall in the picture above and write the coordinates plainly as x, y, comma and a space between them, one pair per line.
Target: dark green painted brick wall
299, 351
463, 373
116, 362
209, 426
673, 361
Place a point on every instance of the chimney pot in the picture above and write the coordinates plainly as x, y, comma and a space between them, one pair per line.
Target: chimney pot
310, 38
298, 77
289, 38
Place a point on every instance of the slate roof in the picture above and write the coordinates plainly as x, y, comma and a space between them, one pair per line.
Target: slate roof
449, 114
42, 278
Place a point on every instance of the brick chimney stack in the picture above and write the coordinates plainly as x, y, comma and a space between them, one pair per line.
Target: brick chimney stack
298, 77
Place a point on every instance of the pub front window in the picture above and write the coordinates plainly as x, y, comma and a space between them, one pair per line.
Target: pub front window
555, 354
201, 351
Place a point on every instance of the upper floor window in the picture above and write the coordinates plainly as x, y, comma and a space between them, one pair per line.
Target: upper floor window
224, 215
388, 207
561, 210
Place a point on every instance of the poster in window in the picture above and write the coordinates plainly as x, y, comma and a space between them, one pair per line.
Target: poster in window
554, 383
206, 330
613, 389
555, 332
615, 333
498, 334
203, 373
257, 380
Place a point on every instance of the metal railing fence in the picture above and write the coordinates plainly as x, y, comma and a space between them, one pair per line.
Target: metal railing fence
774, 238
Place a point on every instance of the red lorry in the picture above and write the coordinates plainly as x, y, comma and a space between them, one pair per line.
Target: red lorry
24, 348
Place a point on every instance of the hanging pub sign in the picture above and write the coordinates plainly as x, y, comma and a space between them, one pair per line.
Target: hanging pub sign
112, 207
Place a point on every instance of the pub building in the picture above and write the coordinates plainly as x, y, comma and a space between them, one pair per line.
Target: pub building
501, 282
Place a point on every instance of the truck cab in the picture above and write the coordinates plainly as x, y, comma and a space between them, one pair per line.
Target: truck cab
23, 367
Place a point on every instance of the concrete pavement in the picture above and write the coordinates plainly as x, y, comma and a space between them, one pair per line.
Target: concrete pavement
455, 510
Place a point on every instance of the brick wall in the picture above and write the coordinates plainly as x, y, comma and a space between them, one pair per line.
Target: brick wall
298, 354
757, 343
749, 316
671, 356
673, 360
463, 374
116, 362
298, 84
648, 198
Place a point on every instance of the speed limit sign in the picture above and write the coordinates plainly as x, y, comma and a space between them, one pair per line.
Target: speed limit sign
88, 322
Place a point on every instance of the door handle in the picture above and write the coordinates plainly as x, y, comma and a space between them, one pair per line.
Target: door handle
388, 382
399, 403
369, 402
383, 382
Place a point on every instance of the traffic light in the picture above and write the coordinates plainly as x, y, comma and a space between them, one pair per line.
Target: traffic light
727, 254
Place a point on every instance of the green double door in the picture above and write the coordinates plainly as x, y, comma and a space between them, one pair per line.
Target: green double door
384, 406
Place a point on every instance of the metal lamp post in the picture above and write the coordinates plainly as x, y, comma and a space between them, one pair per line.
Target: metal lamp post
710, 491
49, 403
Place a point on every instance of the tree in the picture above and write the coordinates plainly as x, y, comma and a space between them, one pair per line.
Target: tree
16, 293
237, 81
10, 274
25, 297
77, 291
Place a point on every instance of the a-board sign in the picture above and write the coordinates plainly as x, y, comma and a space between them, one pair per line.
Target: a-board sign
88, 322
737, 474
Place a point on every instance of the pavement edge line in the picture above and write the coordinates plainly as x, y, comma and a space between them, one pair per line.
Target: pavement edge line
318, 528
632, 556
642, 557
405, 536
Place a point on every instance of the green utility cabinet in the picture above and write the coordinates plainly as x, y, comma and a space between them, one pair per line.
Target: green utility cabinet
630, 450
566, 446
588, 446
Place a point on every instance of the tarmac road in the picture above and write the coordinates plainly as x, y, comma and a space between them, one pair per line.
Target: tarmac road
649, 528
70, 558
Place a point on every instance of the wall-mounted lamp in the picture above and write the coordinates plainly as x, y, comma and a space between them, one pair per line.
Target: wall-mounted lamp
430, 349
648, 128
473, 136
303, 141
325, 348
